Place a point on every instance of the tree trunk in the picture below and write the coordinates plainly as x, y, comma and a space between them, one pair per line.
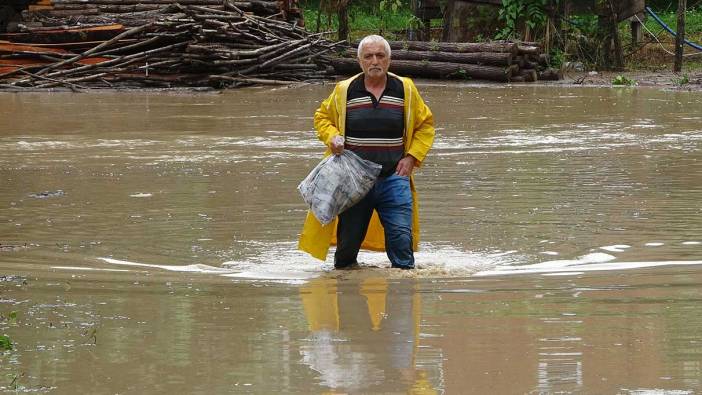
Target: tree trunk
455, 28
448, 20
680, 37
618, 52
550, 74
343, 13
563, 27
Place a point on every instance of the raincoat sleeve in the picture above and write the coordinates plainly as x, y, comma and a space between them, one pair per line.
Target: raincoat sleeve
423, 127
326, 119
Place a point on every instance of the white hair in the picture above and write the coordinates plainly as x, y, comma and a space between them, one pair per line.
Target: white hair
374, 38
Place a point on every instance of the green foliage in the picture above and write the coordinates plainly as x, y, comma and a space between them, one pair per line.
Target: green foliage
532, 13
621, 80
390, 5
584, 40
387, 8
5, 343
365, 17
415, 23
693, 23
682, 80
556, 57
462, 74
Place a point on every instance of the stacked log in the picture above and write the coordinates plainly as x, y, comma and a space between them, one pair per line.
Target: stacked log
66, 8
495, 61
137, 12
184, 45
220, 43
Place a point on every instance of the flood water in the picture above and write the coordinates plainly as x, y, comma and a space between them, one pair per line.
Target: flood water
148, 245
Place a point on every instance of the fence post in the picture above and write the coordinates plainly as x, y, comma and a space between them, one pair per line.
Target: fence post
680, 37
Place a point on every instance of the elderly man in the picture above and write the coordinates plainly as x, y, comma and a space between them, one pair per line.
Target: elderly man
382, 118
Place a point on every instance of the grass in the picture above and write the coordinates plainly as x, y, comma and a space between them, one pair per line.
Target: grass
693, 23
655, 56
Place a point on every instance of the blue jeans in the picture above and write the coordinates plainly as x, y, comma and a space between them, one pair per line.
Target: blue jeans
391, 197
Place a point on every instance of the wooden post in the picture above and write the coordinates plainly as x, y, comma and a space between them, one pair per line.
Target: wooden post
636, 29
680, 37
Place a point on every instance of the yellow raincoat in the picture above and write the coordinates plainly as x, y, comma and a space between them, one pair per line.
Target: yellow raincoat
329, 121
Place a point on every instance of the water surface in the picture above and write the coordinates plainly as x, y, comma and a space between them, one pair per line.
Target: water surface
147, 243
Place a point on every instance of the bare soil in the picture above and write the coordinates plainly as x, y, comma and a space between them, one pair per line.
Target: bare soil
686, 81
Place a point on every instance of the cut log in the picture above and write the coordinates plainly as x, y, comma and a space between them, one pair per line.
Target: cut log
121, 9
544, 60
551, 74
528, 64
16, 48
529, 75
430, 69
226, 43
60, 13
528, 49
488, 58
453, 47
58, 3
67, 6
66, 35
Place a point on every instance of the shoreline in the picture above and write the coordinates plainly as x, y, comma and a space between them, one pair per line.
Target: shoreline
665, 80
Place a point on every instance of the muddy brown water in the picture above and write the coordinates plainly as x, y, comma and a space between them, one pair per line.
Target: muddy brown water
147, 245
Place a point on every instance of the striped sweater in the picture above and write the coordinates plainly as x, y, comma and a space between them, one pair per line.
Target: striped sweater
375, 128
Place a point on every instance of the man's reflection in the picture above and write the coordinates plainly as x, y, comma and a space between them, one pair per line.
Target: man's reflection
364, 336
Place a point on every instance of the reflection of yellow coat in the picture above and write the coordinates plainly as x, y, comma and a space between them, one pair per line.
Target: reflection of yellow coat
329, 121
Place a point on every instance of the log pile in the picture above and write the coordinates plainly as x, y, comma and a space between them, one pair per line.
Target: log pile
134, 12
219, 43
496, 61
180, 45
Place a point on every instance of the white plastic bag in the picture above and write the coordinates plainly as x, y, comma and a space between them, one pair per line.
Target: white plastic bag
337, 183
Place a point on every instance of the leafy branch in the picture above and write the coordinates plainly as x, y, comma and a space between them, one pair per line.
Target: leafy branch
530, 13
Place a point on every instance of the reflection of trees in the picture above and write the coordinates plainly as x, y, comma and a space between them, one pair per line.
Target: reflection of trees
363, 340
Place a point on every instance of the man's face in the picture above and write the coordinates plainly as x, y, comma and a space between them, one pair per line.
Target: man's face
374, 61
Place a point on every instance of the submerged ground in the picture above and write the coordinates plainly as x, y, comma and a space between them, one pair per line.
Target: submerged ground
147, 245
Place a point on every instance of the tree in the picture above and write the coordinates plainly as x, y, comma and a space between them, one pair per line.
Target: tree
343, 13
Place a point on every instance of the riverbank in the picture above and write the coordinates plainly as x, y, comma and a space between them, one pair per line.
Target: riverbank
663, 79
668, 80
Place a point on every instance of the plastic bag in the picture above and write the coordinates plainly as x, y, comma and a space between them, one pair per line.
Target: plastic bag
337, 183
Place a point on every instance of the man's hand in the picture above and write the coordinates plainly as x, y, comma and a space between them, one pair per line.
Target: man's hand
337, 145
405, 166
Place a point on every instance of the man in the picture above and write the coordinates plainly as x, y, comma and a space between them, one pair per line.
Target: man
382, 118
